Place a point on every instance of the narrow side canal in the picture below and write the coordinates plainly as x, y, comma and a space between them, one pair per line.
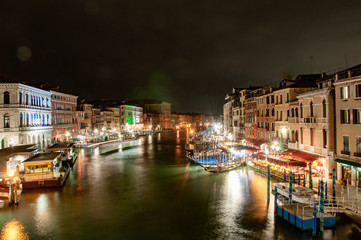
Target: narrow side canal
149, 190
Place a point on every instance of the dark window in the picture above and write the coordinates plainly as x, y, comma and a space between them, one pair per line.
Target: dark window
345, 116
6, 97
301, 111
311, 109
324, 108
358, 91
311, 136
20, 98
324, 135
356, 116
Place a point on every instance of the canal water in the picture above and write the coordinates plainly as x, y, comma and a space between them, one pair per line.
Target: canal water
149, 190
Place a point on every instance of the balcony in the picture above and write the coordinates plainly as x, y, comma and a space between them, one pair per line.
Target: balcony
309, 120
357, 154
34, 127
293, 120
248, 125
17, 105
293, 145
322, 120
345, 152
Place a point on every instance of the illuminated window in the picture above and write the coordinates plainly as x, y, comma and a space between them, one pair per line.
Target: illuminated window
345, 92
346, 144
6, 121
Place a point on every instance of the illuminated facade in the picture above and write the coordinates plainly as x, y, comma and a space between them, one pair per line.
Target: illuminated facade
26, 115
348, 124
63, 115
84, 117
131, 118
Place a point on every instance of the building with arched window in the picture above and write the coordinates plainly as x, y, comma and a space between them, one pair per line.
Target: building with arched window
20, 112
317, 122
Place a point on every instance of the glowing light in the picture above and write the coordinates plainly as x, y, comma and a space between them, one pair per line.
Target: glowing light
13, 230
67, 134
230, 136
284, 130
103, 129
11, 173
96, 131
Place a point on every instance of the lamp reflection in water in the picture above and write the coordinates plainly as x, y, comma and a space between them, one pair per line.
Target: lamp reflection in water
13, 230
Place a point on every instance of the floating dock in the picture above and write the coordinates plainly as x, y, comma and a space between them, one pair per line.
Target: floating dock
301, 216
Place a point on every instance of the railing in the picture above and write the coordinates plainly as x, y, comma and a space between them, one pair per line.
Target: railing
357, 154
345, 152
17, 105
309, 120
293, 120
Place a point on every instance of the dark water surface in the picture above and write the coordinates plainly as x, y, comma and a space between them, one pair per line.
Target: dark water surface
148, 190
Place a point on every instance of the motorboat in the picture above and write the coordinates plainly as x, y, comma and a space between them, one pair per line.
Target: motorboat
300, 194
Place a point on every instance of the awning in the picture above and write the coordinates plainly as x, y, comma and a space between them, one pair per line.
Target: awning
283, 162
299, 155
255, 142
348, 162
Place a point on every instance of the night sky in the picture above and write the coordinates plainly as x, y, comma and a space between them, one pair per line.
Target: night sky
188, 52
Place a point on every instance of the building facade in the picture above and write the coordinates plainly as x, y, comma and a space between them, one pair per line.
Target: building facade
348, 124
26, 115
63, 116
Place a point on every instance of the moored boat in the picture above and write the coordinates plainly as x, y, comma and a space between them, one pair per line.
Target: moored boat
300, 194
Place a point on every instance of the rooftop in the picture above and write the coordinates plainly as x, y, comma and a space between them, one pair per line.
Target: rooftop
28, 148
61, 146
43, 157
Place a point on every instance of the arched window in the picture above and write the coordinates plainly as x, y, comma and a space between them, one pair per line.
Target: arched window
6, 97
20, 98
301, 111
311, 109
27, 120
296, 112
293, 112
324, 108
27, 99
6, 121
21, 119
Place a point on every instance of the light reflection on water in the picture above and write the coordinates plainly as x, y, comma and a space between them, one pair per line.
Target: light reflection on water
13, 230
141, 192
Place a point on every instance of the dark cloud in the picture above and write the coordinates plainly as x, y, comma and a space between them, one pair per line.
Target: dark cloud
189, 52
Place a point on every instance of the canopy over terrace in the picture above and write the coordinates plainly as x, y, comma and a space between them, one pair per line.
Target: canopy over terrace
299, 155
282, 161
255, 143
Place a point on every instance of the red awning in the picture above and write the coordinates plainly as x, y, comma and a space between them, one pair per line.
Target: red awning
255, 142
282, 162
299, 155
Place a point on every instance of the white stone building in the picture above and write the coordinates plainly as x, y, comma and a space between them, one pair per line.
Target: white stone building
26, 115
